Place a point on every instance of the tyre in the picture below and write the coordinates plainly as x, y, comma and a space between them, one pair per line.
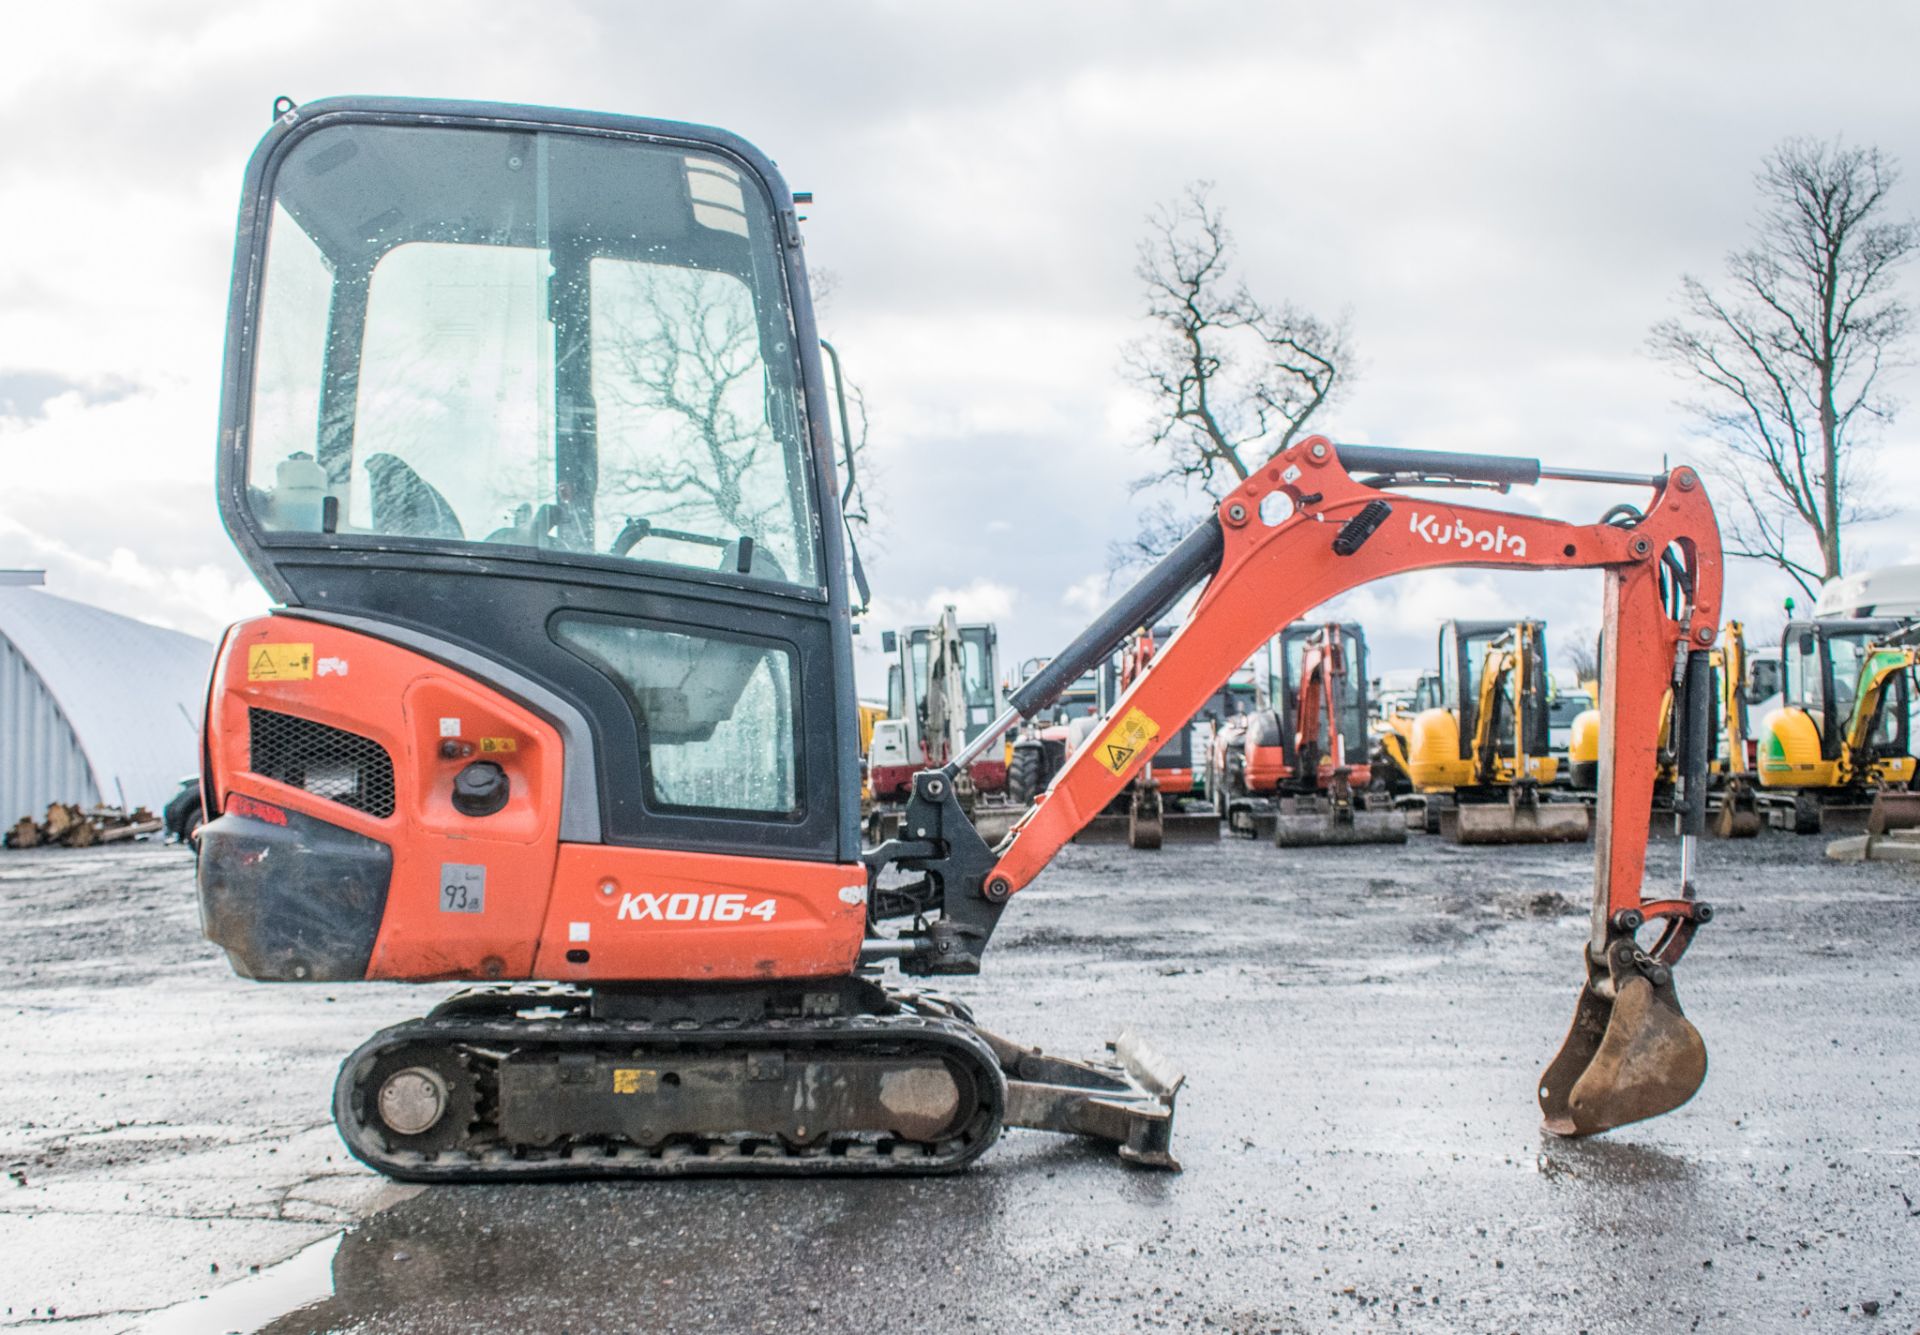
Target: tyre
1806, 813
1026, 772
183, 814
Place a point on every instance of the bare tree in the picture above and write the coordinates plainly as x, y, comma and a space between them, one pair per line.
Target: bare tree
686, 354
1584, 659
1790, 353
1234, 380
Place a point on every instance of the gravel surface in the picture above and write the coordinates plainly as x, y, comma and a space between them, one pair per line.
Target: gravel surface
1361, 1029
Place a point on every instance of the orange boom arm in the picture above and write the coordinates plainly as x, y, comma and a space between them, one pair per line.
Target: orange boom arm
1271, 574
1303, 530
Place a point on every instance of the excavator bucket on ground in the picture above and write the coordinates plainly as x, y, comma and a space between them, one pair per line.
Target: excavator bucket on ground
1893, 832
1736, 816
1631, 1053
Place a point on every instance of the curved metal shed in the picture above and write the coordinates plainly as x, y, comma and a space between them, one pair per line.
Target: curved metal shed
94, 707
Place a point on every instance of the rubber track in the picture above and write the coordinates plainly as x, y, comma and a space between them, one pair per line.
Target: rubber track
487, 1160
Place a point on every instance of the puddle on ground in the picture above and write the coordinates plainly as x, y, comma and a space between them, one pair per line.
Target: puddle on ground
246, 1305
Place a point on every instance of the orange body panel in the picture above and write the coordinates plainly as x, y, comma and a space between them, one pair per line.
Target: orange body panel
1171, 780
639, 913
1266, 767
534, 888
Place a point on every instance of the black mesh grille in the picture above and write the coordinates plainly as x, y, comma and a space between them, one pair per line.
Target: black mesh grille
328, 762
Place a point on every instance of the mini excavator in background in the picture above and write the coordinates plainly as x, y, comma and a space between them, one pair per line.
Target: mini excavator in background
1837, 756
1482, 759
525, 427
1735, 814
943, 687
1299, 768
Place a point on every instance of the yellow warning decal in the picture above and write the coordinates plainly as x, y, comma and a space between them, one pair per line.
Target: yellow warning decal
499, 744
280, 662
633, 1080
1129, 737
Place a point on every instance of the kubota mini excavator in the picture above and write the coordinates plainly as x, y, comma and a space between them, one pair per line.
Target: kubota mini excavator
1300, 744
1332, 774
525, 427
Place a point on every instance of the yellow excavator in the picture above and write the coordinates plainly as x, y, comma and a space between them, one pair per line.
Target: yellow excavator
1736, 814
1481, 759
1393, 732
1836, 756
1730, 772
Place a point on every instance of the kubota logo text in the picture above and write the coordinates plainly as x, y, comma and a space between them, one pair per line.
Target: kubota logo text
1495, 541
685, 907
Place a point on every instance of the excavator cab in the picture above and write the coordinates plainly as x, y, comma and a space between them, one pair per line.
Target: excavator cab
526, 429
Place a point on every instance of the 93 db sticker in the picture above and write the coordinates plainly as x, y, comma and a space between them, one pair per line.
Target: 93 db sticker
1132, 735
463, 888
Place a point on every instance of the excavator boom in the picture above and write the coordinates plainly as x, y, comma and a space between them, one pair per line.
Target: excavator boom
1305, 529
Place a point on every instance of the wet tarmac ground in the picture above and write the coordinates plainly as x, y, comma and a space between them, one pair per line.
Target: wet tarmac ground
1361, 1029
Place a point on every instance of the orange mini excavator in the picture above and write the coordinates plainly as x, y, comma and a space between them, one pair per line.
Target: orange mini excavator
525, 427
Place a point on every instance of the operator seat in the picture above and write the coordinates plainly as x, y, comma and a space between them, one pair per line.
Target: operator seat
406, 504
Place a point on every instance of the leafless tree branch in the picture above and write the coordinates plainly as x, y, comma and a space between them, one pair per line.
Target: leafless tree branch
1233, 379
1790, 360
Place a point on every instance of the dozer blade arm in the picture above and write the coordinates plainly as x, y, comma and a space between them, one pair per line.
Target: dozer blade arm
1303, 530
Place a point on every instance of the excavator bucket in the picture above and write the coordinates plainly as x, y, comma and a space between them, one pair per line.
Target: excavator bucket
1148, 823
1336, 824
1893, 832
1628, 1056
1736, 816
1515, 823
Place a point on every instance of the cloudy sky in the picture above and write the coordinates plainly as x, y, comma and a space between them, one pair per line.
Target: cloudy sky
1501, 198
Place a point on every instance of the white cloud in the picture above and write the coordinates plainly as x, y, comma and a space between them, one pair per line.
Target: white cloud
1504, 198
1089, 595
976, 600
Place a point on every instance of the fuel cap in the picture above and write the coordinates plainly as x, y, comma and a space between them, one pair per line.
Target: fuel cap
480, 789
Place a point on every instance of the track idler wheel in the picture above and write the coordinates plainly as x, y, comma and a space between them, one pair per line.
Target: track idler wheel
1631, 1053
419, 1098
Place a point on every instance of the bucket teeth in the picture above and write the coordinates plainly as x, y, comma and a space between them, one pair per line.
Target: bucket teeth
1626, 1058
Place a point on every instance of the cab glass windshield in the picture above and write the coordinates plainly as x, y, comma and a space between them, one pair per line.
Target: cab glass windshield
564, 342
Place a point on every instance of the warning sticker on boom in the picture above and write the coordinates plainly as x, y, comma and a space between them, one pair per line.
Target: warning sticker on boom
1130, 736
280, 662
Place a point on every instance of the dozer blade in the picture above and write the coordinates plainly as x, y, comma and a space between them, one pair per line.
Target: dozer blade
1337, 828
1190, 827
1503, 823
1104, 829
1625, 1059
1127, 1103
1893, 832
